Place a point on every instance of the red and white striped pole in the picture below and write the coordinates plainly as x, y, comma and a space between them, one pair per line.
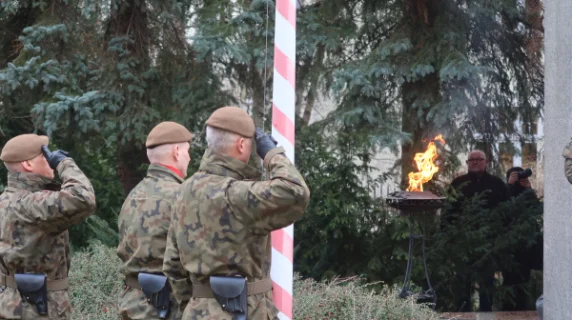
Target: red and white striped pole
283, 117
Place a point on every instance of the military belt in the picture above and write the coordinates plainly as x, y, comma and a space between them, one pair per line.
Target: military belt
132, 282
256, 287
52, 285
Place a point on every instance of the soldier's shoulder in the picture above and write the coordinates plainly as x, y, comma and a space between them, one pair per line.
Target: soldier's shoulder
166, 187
203, 182
204, 177
567, 151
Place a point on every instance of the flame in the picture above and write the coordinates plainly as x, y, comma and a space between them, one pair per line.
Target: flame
426, 166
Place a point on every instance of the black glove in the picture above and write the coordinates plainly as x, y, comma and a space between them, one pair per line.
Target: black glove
264, 142
54, 158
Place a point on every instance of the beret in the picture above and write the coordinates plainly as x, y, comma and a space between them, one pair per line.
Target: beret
232, 119
23, 147
167, 132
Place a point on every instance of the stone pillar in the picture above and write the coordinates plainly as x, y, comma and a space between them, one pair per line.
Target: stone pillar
557, 190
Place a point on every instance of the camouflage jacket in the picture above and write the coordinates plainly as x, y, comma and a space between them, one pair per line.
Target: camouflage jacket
222, 222
567, 154
143, 224
34, 220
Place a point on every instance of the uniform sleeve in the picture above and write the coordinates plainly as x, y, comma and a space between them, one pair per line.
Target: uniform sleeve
57, 211
273, 204
179, 278
568, 169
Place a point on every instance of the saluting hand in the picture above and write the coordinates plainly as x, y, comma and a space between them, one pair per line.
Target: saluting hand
264, 142
54, 158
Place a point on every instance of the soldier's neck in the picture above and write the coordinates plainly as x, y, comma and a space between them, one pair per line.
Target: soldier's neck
30, 182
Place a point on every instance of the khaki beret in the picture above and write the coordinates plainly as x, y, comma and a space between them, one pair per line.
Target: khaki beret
23, 147
168, 132
232, 119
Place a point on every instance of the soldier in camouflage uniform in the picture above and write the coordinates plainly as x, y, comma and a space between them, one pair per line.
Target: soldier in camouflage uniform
567, 154
145, 216
35, 215
223, 217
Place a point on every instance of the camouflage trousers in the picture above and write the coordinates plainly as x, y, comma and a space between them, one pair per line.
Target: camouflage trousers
260, 307
12, 306
133, 305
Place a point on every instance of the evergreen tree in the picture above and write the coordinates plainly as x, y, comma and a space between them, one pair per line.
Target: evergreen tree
418, 68
97, 76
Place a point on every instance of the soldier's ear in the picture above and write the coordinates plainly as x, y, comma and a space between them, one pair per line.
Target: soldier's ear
27, 165
175, 152
242, 145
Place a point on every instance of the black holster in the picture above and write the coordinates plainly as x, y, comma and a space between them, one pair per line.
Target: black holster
158, 292
231, 293
34, 289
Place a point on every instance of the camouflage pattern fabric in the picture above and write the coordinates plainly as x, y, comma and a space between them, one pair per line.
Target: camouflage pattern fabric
567, 154
143, 224
222, 222
34, 223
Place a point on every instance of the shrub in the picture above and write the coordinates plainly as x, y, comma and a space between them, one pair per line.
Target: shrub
95, 285
350, 299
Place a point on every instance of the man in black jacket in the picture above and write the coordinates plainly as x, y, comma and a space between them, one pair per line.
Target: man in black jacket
477, 181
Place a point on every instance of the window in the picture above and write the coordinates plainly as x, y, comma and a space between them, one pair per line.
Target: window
530, 129
506, 155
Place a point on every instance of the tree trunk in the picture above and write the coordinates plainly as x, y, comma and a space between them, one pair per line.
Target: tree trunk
313, 90
129, 18
130, 158
420, 94
414, 120
535, 41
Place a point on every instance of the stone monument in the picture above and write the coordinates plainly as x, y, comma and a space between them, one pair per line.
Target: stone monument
557, 190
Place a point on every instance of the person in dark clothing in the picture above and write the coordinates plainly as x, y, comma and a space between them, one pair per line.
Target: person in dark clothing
515, 185
526, 259
477, 181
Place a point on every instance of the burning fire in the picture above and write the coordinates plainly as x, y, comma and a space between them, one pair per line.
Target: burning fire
426, 166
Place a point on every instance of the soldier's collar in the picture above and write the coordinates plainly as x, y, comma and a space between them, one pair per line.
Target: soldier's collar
31, 182
227, 166
156, 169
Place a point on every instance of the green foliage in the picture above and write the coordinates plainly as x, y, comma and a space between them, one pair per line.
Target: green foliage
98, 75
342, 219
476, 242
347, 232
403, 72
97, 86
352, 299
96, 285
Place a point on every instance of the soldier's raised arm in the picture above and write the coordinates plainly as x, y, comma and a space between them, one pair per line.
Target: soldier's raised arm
277, 202
35, 213
58, 211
